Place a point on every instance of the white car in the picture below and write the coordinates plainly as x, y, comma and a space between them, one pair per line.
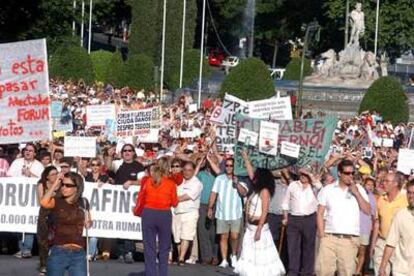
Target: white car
230, 61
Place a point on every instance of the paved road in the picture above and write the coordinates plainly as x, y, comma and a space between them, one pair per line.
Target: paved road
10, 266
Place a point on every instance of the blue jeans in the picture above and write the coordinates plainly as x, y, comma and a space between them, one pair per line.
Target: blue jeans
93, 247
26, 245
61, 260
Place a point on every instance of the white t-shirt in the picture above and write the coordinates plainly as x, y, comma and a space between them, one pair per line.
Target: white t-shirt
17, 165
192, 188
342, 209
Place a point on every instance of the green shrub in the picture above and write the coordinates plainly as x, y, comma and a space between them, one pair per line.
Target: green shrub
71, 62
250, 80
101, 61
386, 95
191, 70
293, 69
139, 72
114, 74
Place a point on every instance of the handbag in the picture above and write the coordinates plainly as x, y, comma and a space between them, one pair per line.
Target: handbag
139, 205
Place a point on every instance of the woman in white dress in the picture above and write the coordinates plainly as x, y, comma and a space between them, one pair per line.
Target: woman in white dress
259, 256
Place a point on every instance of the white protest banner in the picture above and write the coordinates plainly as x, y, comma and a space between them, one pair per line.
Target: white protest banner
274, 108
96, 115
269, 136
111, 208
24, 92
387, 142
248, 137
405, 161
187, 134
290, 149
218, 115
151, 137
192, 108
226, 133
80, 146
136, 123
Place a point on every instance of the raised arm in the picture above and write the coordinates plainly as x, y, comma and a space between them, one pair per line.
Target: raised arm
247, 164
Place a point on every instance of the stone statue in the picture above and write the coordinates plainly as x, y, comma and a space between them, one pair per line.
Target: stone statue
384, 65
328, 66
369, 67
357, 20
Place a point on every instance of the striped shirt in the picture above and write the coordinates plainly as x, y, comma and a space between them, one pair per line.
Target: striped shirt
229, 203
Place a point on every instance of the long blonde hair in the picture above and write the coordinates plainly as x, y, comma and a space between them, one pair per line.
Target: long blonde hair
160, 169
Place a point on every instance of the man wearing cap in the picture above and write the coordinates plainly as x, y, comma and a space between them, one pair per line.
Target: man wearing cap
338, 222
388, 205
301, 204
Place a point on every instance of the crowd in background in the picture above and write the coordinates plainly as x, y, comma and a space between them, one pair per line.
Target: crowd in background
319, 222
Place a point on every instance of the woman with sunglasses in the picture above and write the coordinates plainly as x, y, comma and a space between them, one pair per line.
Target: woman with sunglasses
48, 177
96, 176
69, 215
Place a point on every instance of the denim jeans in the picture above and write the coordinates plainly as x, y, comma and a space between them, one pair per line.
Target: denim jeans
93, 247
26, 245
61, 260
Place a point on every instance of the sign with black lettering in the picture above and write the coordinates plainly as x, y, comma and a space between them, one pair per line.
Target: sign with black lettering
138, 122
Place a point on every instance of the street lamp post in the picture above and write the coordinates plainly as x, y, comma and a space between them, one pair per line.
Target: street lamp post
311, 27
200, 76
182, 43
164, 18
376, 29
83, 23
90, 26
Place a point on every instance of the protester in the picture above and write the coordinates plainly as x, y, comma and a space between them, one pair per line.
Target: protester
400, 240
227, 195
160, 195
259, 255
338, 222
187, 211
69, 215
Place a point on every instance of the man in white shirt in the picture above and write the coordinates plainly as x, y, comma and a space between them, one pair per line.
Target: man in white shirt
338, 222
301, 204
187, 210
401, 240
27, 166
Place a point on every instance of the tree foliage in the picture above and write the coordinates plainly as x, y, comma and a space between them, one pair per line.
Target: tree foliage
114, 74
101, 61
250, 80
386, 95
138, 71
70, 62
293, 69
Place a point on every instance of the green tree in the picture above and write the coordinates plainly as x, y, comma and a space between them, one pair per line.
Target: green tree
250, 80
191, 69
70, 62
139, 72
293, 69
101, 61
115, 71
386, 95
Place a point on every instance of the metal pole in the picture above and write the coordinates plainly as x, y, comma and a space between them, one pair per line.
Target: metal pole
200, 76
304, 50
182, 43
376, 29
90, 26
164, 19
82, 24
74, 22
251, 40
346, 23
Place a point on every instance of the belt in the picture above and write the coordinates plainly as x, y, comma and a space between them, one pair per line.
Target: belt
70, 247
304, 216
342, 236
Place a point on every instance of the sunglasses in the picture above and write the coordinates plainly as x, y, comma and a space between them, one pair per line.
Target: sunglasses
126, 150
229, 165
95, 165
348, 173
68, 185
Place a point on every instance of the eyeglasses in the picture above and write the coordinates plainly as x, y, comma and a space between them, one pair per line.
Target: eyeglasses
349, 173
229, 165
95, 165
127, 150
68, 185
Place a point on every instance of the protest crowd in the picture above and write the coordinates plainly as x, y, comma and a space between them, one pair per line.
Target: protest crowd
328, 196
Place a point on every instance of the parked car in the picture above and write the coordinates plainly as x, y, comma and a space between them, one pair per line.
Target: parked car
230, 62
215, 58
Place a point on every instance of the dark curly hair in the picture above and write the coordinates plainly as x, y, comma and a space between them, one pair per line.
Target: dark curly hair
263, 179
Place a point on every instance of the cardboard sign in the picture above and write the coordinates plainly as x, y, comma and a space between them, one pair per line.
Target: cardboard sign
387, 142
405, 161
24, 92
151, 137
274, 108
136, 123
187, 134
248, 137
192, 108
56, 109
290, 149
218, 115
79, 146
313, 135
110, 206
226, 133
269, 134
96, 115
